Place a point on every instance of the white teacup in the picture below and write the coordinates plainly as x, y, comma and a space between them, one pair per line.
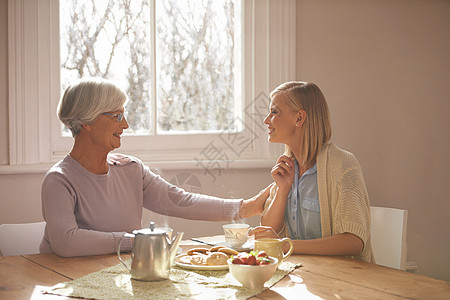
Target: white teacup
236, 235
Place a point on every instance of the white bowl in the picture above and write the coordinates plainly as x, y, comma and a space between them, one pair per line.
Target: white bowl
253, 277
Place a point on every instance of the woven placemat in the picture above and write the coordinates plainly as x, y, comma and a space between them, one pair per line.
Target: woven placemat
115, 283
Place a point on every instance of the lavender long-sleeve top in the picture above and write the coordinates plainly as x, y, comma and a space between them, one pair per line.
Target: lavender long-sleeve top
87, 214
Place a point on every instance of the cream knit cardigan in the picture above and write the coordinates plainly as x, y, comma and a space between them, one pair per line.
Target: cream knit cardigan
343, 199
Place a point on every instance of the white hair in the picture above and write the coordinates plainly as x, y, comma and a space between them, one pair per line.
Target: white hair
86, 99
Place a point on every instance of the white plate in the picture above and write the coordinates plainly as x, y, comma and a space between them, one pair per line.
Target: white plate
198, 267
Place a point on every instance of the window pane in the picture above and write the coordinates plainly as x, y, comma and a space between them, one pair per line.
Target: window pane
197, 55
109, 39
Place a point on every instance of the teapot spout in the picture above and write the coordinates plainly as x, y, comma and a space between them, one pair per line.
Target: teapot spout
174, 246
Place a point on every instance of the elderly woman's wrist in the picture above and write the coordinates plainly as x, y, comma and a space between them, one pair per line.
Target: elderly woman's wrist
249, 208
245, 209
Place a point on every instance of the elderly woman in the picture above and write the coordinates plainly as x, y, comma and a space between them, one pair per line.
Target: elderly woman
320, 199
92, 197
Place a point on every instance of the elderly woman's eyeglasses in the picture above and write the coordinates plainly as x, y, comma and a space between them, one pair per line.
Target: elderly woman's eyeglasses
119, 115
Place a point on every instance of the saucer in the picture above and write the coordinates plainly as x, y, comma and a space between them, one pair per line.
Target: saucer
247, 246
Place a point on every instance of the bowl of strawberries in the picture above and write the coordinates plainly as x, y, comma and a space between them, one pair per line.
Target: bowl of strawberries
252, 269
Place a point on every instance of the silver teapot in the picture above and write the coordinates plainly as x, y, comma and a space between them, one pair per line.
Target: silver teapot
152, 253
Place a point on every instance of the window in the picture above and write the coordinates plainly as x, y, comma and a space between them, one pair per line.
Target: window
266, 48
185, 70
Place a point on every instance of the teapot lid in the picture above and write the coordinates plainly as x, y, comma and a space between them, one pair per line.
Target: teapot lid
150, 231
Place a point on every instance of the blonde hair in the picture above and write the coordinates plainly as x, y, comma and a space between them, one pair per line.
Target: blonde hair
86, 99
307, 96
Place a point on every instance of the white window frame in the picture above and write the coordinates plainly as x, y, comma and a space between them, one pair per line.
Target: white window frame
269, 59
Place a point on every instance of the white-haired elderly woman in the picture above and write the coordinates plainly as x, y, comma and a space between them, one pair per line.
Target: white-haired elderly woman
92, 197
319, 198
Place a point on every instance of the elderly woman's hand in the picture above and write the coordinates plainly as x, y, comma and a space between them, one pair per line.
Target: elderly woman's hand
262, 232
255, 205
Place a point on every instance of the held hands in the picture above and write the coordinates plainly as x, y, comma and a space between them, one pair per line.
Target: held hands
255, 205
284, 172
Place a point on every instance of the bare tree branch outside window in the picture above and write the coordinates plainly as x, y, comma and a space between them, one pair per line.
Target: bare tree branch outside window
195, 58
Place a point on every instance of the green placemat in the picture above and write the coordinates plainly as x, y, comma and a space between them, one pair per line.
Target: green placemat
115, 283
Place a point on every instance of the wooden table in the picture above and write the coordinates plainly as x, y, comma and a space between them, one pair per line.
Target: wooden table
320, 277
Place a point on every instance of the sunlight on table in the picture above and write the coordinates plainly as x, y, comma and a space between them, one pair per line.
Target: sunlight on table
296, 290
38, 294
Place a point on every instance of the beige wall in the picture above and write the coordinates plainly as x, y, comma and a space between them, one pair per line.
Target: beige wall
3, 80
384, 67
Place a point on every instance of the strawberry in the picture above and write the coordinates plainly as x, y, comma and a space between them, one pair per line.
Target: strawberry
264, 260
243, 256
238, 261
262, 253
251, 260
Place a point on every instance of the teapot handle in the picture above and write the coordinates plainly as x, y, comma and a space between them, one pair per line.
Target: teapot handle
118, 249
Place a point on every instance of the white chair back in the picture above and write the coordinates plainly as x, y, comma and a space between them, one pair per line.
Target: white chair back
388, 236
18, 239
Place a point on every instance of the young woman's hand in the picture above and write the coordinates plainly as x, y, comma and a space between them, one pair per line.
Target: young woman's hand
262, 232
284, 172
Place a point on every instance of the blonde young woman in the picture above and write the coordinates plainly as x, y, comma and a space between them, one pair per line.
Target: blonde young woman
320, 200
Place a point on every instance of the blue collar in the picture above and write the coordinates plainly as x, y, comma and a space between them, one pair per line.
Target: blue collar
310, 171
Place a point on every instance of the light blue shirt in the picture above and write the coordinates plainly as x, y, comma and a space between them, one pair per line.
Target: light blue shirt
302, 207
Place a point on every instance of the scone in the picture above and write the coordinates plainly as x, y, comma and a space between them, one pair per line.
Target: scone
215, 248
186, 259
199, 260
217, 258
199, 250
228, 251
